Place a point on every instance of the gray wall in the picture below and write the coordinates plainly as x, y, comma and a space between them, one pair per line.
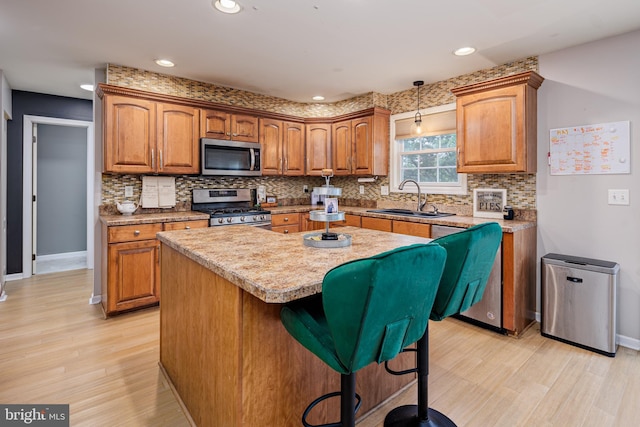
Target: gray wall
590, 84
62, 189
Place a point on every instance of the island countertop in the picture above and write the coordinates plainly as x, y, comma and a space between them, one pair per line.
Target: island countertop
274, 267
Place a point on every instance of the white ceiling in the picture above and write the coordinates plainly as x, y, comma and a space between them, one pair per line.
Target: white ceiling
292, 49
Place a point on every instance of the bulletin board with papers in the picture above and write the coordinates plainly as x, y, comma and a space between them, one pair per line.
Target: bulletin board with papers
590, 149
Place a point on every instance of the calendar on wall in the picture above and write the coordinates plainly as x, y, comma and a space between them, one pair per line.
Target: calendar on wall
590, 149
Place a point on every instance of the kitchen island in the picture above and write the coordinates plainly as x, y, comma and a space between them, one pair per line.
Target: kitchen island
222, 346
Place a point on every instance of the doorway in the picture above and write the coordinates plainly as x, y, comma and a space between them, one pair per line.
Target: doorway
57, 195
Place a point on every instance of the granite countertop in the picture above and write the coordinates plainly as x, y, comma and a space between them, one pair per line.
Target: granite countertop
148, 218
274, 267
508, 226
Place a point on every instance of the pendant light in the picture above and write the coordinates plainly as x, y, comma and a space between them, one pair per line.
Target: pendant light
418, 116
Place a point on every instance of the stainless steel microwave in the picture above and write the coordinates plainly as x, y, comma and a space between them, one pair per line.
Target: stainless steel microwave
229, 158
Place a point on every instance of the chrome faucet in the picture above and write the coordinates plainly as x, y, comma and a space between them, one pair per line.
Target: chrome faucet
420, 203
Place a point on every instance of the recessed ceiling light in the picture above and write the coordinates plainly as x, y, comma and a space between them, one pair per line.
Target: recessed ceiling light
463, 51
164, 63
318, 98
87, 87
227, 6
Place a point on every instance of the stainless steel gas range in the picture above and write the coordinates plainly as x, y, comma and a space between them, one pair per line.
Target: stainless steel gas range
229, 206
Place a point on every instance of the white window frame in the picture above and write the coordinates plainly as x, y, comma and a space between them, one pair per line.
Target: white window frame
394, 177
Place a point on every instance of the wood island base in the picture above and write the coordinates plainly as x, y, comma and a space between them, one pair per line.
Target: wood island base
233, 364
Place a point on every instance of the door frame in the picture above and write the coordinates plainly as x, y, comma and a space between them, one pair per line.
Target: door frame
27, 185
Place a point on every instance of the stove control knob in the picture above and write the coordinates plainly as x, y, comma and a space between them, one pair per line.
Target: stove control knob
229, 219
262, 217
220, 220
241, 219
255, 217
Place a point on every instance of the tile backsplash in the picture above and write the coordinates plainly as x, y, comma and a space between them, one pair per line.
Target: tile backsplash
521, 188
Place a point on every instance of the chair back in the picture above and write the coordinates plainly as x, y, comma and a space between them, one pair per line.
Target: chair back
470, 256
376, 306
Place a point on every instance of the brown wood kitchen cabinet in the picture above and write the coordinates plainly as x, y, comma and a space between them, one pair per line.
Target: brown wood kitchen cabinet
285, 223
318, 148
131, 278
496, 125
144, 136
220, 124
283, 147
412, 228
360, 146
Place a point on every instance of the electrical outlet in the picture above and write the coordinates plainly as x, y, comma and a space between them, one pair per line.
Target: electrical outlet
305, 188
128, 191
362, 189
384, 190
618, 197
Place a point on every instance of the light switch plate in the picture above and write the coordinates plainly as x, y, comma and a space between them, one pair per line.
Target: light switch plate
128, 191
362, 189
384, 190
619, 197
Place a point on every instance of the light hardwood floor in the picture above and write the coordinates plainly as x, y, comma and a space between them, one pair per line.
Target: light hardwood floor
56, 348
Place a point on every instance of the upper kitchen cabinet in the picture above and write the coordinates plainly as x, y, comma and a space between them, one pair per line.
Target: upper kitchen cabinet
178, 139
496, 125
283, 147
360, 146
318, 144
145, 136
224, 125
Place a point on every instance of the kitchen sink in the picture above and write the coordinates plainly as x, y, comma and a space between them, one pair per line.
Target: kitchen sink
409, 212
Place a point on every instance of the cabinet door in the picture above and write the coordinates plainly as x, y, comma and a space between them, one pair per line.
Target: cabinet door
341, 148
318, 148
491, 131
293, 149
129, 135
133, 275
215, 124
178, 139
362, 146
271, 146
244, 128
308, 225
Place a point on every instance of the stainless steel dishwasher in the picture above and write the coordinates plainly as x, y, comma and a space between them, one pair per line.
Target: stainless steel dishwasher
487, 312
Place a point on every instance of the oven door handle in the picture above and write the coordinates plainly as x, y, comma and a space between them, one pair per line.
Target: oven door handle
253, 159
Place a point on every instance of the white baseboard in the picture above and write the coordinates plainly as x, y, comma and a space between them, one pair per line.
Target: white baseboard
62, 256
95, 299
14, 276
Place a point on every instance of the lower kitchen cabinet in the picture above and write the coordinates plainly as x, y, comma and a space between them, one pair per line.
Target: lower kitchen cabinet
380, 224
285, 223
412, 228
131, 276
309, 225
349, 220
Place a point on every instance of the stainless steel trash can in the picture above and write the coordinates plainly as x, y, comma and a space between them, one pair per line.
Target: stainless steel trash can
578, 298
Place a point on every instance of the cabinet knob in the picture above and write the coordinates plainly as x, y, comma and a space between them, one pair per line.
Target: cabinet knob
188, 227
136, 233
286, 219
286, 231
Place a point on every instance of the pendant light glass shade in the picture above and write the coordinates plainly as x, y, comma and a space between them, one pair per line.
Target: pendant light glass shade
418, 116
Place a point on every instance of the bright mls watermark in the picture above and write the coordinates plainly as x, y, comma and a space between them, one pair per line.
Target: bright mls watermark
34, 415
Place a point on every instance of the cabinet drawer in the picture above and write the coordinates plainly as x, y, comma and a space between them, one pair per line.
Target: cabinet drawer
286, 229
130, 233
349, 220
380, 224
412, 228
285, 219
185, 225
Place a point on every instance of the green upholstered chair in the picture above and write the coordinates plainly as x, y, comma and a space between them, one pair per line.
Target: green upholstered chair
369, 310
470, 256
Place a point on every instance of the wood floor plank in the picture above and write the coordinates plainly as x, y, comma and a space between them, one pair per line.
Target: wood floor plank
56, 348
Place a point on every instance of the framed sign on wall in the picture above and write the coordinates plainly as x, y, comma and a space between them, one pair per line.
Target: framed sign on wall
489, 202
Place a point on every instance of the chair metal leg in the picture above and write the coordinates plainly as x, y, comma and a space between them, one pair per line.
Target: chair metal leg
419, 415
347, 401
